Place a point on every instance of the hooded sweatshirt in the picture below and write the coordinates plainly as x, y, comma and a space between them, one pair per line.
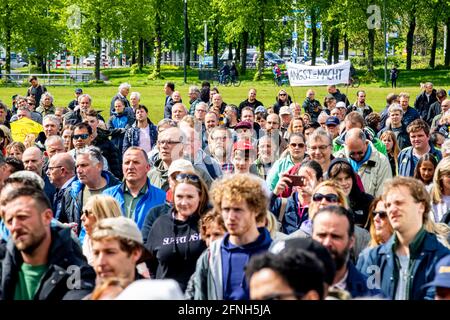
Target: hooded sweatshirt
176, 245
234, 260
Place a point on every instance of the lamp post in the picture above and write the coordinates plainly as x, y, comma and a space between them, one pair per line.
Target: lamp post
185, 41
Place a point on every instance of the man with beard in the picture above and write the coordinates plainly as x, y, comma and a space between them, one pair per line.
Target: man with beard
220, 147
334, 227
41, 259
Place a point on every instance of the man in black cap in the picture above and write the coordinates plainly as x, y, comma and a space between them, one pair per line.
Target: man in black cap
74, 102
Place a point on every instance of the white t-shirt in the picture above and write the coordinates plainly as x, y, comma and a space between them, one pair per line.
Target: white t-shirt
144, 139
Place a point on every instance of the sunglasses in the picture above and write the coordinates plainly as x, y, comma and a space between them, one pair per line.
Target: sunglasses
187, 176
87, 213
382, 214
317, 197
83, 136
295, 145
282, 94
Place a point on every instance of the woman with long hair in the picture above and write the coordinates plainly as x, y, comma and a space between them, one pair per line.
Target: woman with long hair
293, 211
97, 207
425, 169
440, 192
342, 173
282, 99
390, 141
380, 227
175, 238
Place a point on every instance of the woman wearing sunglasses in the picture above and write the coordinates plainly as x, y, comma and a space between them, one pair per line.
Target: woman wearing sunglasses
98, 207
342, 173
282, 99
175, 238
329, 193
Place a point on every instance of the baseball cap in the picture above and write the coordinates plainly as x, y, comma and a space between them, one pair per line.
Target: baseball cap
442, 274
285, 110
243, 145
260, 109
332, 121
180, 165
118, 227
312, 246
78, 90
243, 125
341, 104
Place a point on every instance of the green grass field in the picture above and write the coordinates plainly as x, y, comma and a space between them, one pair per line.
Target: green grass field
153, 95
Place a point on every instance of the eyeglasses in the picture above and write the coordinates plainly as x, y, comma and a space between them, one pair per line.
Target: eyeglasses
83, 136
87, 213
330, 197
283, 296
299, 145
353, 153
321, 148
169, 142
200, 110
382, 214
55, 167
187, 176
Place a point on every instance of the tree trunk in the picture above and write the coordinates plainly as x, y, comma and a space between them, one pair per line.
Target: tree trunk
410, 39
230, 51
187, 58
313, 37
336, 46
133, 52
140, 54
244, 52
346, 46
447, 47
330, 47
433, 46
237, 56
97, 50
156, 74
370, 50
281, 48
194, 50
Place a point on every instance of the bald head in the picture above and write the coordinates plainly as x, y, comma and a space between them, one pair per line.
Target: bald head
61, 168
356, 144
33, 160
65, 160
355, 134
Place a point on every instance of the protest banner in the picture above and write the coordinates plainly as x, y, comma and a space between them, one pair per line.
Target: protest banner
303, 75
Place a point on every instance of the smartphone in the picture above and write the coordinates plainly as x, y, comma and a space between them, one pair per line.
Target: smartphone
296, 180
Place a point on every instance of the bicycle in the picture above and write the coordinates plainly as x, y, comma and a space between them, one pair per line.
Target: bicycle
227, 80
282, 79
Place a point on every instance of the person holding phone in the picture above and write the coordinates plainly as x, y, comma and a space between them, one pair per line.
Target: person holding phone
301, 179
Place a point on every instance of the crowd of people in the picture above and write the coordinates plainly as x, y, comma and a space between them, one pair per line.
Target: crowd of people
216, 201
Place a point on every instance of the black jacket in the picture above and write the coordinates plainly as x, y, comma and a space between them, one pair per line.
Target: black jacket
110, 152
176, 245
422, 104
151, 217
72, 200
341, 97
66, 262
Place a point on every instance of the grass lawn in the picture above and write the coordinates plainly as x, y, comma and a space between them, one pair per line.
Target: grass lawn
152, 94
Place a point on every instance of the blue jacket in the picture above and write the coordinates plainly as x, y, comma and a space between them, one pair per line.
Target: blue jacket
152, 198
356, 283
291, 221
380, 265
131, 138
410, 115
407, 161
234, 259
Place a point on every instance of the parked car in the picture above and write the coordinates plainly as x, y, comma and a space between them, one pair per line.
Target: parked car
319, 62
14, 63
270, 58
89, 61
